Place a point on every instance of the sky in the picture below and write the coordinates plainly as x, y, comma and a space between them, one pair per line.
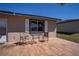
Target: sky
54, 10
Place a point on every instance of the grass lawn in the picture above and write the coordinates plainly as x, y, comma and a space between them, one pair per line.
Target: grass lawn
72, 37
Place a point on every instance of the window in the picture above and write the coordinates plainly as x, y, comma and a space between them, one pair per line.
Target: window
2, 27
33, 26
36, 25
40, 26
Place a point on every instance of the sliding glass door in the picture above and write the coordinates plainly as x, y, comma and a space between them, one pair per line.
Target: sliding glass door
36, 26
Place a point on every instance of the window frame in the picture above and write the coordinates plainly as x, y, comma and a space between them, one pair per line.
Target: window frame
37, 25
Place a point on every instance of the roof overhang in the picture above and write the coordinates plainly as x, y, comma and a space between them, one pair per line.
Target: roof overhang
28, 15
67, 21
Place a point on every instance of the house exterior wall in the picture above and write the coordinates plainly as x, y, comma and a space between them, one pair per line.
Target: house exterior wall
16, 27
21, 28
69, 27
16, 24
52, 29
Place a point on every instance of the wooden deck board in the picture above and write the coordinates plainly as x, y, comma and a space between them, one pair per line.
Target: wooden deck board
56, 46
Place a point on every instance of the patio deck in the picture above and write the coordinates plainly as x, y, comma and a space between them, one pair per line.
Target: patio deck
54, 47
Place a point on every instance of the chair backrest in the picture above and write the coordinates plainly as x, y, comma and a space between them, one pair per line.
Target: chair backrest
24, 36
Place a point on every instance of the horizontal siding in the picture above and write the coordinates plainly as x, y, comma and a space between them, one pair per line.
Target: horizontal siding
16, 24
68, 27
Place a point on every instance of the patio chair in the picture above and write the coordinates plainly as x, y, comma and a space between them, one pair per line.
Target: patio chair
26, 38
42, 37
23, 37
46, 36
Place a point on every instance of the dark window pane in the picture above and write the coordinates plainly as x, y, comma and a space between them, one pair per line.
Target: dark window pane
40, 26
33, 25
